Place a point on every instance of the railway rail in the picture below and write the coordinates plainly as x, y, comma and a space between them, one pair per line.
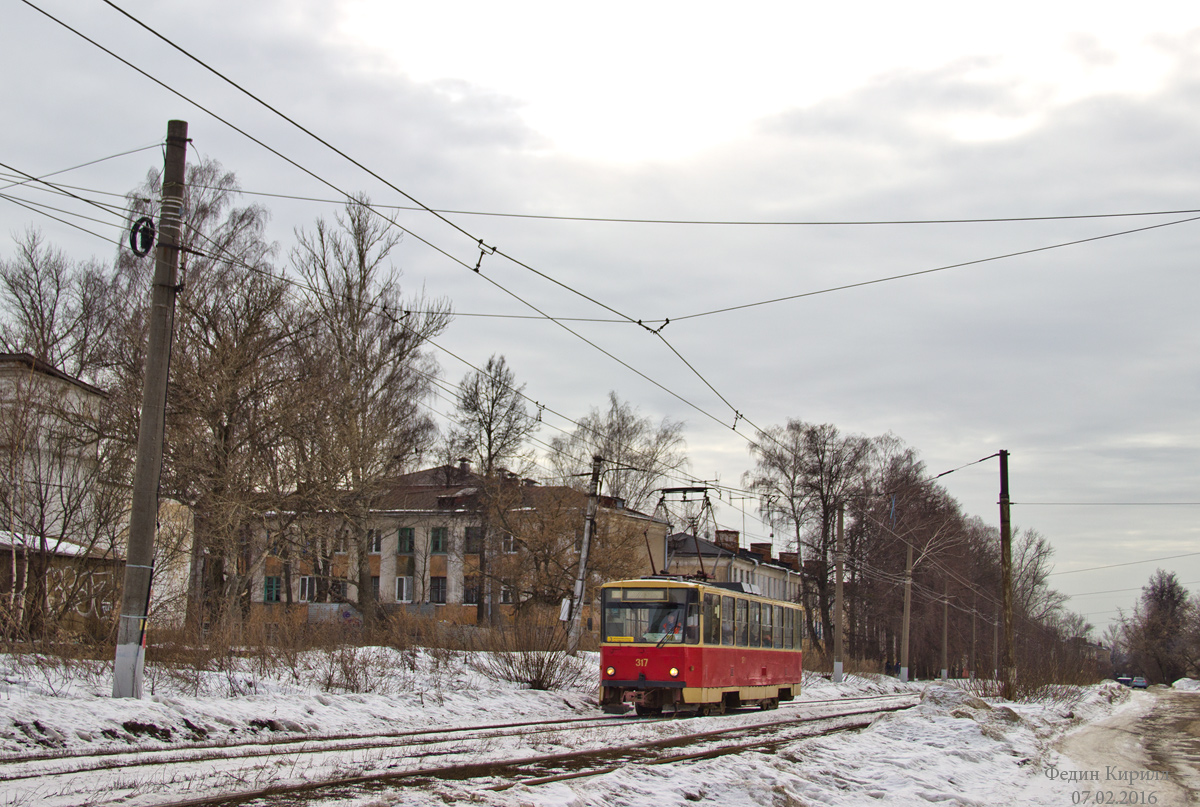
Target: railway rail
302, 770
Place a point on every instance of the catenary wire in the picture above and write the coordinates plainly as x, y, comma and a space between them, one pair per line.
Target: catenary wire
480, 242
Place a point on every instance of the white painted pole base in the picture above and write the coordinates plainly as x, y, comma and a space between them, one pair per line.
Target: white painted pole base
904, 674
837, 672
945, 674
127, 671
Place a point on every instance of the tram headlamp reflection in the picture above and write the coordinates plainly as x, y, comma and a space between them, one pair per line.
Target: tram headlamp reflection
611, 671
674, 672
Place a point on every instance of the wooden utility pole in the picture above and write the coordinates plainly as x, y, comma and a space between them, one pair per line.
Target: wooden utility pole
589, 527
839, 604
143, 517
1009, 683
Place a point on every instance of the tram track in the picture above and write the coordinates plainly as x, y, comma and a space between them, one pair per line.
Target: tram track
536, 769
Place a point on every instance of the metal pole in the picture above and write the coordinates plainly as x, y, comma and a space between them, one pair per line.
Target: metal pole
589, 526
143, 517
839, 604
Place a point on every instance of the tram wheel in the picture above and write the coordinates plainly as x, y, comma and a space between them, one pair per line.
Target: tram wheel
648, 711
768, 703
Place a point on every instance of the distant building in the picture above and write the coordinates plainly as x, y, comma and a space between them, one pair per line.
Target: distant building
424, 535
60, 539
725, 561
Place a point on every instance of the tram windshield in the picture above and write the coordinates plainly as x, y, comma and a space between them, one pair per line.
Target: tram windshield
659, 615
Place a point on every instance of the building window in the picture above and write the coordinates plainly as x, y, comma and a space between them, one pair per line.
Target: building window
405, 541
337, 590
404, 589
437, 590
308, 589
438, 539
471, 590
272, 589
474, 540
506, 596
375, 541
508, 544
375, 587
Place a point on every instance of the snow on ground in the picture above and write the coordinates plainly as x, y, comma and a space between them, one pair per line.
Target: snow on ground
953, 749
1187, 685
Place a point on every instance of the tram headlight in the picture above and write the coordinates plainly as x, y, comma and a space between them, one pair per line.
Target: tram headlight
674, 672
611, 671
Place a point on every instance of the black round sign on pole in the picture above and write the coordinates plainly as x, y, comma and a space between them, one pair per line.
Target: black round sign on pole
141, 236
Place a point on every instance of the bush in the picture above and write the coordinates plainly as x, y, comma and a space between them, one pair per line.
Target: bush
532, 652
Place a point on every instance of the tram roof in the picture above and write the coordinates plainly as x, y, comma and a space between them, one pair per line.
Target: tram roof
676, 581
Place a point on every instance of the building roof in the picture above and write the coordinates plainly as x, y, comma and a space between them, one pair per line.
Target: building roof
682, 546
38, 366
451, 488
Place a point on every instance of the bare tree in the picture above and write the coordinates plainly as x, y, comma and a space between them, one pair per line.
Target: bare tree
804, 473
638, 452
1156, 634
493, 425
59, 311
371, 343
234, 324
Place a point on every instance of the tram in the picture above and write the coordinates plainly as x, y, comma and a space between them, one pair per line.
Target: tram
669, 643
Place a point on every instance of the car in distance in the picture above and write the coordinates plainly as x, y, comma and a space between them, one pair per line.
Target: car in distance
1139, 683
1124, 680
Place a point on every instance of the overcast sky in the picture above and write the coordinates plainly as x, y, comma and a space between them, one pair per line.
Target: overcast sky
1080, 360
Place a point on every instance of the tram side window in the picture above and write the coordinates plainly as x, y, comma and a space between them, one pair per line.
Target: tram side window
755, 624
798, 629
742, 622
789, 615
727, 623
712, 619
778, 633
767, 626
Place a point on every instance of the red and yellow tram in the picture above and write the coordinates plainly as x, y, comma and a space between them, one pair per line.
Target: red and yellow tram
696, 647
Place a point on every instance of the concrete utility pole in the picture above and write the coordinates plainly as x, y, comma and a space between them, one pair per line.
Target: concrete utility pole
839, 604
143, 518
908, 577
996, 649
1009, 684
589, 526
974, 603
945, 631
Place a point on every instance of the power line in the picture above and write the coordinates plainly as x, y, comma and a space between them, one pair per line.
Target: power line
920, 272
736, 222
484, 249
84, 165
1130, 563
61, 221
1108, 504
1121, 590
